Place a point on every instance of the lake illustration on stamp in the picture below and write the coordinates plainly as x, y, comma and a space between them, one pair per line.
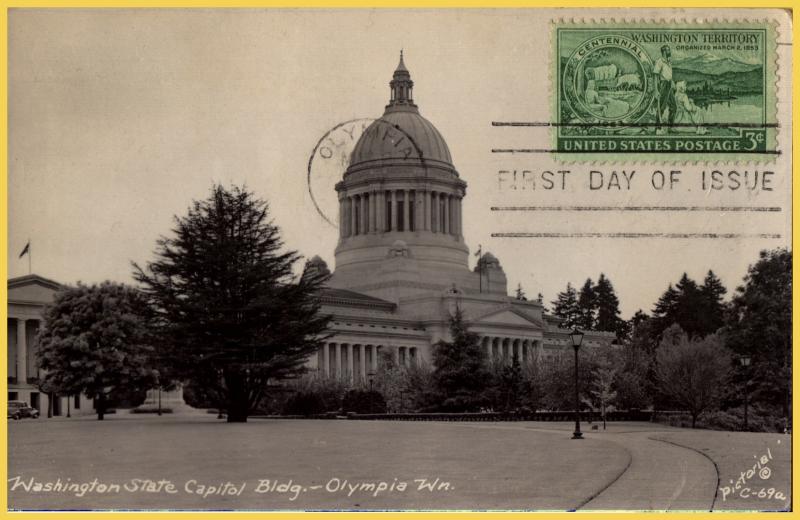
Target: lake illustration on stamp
692, 90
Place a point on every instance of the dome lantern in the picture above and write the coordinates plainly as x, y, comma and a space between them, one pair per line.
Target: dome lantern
401, 86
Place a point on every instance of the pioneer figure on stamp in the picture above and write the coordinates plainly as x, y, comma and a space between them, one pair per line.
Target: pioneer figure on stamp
665, 92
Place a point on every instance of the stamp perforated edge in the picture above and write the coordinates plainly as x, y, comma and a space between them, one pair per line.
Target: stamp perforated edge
774, 34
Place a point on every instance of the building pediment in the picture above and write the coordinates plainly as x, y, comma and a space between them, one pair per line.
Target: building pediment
507, 317
32, 289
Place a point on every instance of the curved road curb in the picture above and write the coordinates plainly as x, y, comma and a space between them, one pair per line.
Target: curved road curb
611, 482
716, 467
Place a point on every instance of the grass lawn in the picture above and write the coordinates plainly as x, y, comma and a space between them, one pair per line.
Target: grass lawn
483, 468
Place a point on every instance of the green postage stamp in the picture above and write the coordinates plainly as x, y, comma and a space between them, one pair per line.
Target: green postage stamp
695, 91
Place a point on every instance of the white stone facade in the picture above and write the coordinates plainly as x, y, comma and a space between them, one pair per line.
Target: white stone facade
27, 298
402, 263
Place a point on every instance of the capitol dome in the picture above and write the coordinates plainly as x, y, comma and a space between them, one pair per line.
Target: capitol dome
400, 203
411, 137
401, 135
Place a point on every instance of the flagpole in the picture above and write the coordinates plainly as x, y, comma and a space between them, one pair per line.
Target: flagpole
29, 257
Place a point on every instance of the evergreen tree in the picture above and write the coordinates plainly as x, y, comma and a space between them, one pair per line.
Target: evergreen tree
95, 339
712, 292
607, 305
227, 301
637, 320
690, 308
684, 305
565, 306
665, 310
461, 375
759, 325
587, 306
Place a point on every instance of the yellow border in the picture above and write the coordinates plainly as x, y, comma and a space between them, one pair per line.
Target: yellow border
789, 5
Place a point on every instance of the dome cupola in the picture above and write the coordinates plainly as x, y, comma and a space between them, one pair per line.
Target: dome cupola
401, 188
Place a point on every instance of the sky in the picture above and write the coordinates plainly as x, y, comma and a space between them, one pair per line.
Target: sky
118, 119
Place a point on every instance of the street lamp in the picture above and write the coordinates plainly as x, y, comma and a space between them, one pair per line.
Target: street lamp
370, 376
577, 338
745, 362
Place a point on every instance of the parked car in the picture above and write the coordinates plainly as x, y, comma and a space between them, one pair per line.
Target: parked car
20, 409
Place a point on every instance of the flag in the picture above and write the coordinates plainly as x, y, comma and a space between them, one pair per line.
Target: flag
26, 250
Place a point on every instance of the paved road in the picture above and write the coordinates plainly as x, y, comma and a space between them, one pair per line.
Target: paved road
659, 476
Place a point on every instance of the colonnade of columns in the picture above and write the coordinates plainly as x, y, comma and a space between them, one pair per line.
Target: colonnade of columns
506, 349
380, 211
21, 354
354, 362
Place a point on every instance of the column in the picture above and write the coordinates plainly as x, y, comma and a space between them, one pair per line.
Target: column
458, 216
348, 368
448, 221
22, 352
373, 206
353, 212
375, 349
406, 210
341, 218
364, 214
394, 211
525, 352
326, 361
434, 212
426, 211
518, 349
363, 359
337, 359
396, 353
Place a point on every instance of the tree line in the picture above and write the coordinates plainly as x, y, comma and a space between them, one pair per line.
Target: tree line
220, 310
688, 352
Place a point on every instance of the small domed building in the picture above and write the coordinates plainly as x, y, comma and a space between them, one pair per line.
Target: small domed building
402, 266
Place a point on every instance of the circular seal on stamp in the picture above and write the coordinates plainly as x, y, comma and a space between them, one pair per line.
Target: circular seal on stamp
327, 164
609, 81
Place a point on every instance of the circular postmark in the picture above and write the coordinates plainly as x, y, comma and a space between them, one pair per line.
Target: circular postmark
332, 154
608, 81
328, 162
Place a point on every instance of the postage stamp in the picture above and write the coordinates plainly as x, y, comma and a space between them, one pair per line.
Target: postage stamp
705, 91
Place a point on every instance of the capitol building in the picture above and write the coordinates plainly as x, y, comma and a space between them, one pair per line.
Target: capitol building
402, 269
402, 266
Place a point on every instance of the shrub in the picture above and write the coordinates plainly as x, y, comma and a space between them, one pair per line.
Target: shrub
363, 401
305, 403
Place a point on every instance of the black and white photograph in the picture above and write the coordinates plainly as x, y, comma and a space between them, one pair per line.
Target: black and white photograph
399, 260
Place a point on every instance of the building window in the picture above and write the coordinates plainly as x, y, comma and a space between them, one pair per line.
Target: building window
13, 396
35, 403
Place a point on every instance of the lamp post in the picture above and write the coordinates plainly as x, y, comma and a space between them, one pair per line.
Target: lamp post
745, 362
370, 376
577, 338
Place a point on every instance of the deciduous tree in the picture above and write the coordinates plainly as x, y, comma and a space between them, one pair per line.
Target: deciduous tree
95, 339
692, 372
